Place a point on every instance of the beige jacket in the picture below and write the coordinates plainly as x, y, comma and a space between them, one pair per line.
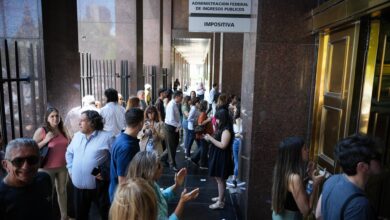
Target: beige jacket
158, 138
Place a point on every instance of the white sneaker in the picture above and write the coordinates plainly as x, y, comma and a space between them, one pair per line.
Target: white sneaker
217, 205
216, 199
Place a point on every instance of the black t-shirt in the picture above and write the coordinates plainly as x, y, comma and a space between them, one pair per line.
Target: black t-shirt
29, 202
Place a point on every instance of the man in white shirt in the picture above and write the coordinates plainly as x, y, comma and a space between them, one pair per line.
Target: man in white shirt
200, 91
86, 159
113, 113
72, 119
212, 93
172, 127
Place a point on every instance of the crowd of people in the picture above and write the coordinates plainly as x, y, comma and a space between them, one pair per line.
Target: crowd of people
113, 157
108, 154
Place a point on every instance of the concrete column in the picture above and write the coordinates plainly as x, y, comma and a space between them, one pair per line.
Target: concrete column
152, 35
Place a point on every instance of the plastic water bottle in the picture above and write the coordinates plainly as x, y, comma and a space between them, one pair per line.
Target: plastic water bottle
309, 187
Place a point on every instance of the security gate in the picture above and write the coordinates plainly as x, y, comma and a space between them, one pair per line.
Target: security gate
98, 75
22, 96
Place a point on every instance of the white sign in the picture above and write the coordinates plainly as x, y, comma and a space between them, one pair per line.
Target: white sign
219, 16
219, 24
220, 7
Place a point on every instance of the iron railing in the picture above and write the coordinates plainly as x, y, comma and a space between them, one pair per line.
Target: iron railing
98, 75
20, 104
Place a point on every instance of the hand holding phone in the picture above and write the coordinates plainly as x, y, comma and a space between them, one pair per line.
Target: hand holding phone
95, 171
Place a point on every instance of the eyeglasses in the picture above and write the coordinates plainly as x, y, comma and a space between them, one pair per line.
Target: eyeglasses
19, 161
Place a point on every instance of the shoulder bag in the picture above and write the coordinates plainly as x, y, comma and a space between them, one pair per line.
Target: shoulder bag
44, 151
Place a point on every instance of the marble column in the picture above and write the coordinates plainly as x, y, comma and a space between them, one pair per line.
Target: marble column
167, 35
152, 36
126, 38
278, 67
215, 71
62, 60
231, 73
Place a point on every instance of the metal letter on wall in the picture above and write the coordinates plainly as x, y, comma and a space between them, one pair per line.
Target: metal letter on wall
334, 86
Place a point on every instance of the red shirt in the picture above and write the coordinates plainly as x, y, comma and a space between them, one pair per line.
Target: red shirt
57, 149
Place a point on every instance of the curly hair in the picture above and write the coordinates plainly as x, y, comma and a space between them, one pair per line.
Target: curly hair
95, 118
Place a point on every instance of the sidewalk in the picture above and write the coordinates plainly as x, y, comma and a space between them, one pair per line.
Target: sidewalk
199, 208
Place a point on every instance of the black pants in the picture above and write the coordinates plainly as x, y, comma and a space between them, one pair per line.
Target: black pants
172, 141
83, 198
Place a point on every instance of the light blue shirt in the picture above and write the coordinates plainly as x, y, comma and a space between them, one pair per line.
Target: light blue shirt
85, 154
164, 196
192, 116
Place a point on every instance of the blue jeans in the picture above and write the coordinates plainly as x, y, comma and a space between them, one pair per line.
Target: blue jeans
236, 150
190, 140
185, 131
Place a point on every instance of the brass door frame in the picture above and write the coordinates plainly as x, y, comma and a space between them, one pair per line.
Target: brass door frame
334, 13
365, 107
346, 96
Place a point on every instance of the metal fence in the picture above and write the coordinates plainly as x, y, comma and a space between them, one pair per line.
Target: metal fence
98, 75
22, 88
150, 77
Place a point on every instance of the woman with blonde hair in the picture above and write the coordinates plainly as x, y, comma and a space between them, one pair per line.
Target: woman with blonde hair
152, 134
135, 199
146, 165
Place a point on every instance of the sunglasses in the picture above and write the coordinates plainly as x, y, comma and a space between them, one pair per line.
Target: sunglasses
19, 161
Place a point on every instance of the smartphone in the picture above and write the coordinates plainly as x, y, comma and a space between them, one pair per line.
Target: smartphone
95, 171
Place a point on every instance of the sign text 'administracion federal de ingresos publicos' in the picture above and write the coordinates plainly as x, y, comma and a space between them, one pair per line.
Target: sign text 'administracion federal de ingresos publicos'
220, 6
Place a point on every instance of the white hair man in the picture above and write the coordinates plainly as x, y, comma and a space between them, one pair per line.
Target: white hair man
73, 117
25, 193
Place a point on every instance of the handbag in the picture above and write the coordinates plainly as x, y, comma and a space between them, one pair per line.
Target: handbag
44, 152
200, 128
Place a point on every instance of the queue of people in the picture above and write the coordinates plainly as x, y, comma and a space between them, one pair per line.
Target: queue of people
116, 157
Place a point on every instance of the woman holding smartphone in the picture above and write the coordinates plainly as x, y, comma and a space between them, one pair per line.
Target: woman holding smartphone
152, 134
220, 155
289, 197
